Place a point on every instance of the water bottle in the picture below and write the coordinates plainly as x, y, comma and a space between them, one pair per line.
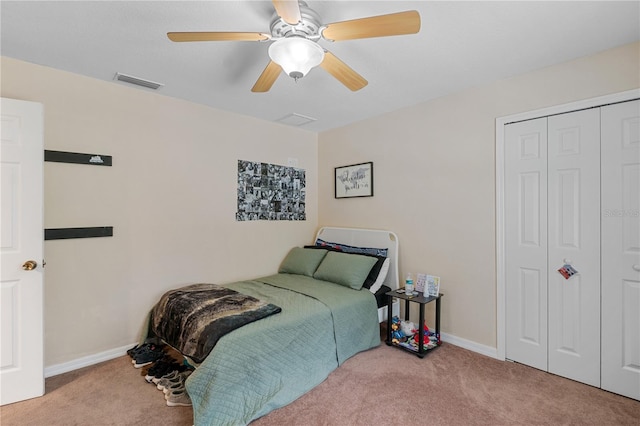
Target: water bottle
408, 284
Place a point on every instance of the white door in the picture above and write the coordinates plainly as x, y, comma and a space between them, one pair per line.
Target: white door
526, 242
621, 248
573, 170
552, 217
21, 236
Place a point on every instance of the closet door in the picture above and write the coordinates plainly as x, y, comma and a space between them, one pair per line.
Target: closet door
573, 168
526, 242
621, 248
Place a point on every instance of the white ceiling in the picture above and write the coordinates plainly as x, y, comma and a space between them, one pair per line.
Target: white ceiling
460, 45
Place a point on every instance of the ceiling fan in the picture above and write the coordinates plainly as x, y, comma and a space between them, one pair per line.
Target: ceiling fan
295, 32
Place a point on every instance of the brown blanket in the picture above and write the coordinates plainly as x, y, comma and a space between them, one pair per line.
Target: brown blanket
192, 319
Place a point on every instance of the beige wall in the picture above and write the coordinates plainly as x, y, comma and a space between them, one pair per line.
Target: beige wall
171, 193
170, 196
434, 177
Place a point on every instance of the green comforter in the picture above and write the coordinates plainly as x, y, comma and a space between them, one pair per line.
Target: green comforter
269, 363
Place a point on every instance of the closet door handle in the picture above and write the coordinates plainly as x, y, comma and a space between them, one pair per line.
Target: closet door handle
636, 268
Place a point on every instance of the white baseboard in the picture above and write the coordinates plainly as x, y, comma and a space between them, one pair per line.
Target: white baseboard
85, 361
470, 345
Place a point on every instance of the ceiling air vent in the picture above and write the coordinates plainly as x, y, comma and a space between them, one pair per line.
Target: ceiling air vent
138, 81
295, 119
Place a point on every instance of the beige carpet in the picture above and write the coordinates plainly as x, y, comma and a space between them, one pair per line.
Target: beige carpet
450, 386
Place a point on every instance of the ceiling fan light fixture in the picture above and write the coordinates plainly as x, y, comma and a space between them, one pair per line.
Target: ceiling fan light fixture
296, 55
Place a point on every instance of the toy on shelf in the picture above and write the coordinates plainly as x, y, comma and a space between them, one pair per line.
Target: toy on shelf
405, 333
397, 335
408, 328
429, 341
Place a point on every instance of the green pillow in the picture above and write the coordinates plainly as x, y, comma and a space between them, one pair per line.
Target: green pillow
302, 261
349, 270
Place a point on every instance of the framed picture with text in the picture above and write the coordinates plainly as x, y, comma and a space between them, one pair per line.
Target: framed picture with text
355, 180
433, 286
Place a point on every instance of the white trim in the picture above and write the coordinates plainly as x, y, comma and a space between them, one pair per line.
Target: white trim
470, 345
108, 355
86, 361
500, 266
572, 106
500, 254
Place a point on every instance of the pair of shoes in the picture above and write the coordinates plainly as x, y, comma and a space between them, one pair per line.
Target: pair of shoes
179, 398
160, 368
170, 374
173, 378
175, 387
147, 355
175, 392
133, 350
175, 384
140, 348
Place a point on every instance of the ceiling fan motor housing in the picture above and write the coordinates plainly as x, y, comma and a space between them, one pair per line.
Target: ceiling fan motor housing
308, 27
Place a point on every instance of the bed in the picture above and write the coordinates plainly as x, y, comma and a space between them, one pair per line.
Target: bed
321, 321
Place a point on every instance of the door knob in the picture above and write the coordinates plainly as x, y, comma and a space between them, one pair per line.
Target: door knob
29, 265
636, 268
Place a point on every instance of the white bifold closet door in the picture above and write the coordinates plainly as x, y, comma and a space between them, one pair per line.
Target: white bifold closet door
552, 203
573, 167
621, 248
526, 242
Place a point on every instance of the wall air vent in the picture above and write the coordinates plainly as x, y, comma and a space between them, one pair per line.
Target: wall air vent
137, 81
294, 119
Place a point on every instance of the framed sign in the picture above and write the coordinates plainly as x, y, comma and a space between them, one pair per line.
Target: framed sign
355, 180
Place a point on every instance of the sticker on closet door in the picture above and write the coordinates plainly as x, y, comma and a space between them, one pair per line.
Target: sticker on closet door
567, 271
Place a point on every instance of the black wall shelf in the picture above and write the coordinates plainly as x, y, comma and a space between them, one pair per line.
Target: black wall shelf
77, 158
68, 233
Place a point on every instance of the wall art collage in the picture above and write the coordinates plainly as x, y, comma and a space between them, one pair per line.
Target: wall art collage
270, 192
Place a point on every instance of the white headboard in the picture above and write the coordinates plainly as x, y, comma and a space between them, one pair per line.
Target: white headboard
367, 238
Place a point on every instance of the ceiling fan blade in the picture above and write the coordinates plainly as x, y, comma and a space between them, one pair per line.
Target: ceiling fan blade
289, 10
342, 72
267, 78
217, 36
375, 26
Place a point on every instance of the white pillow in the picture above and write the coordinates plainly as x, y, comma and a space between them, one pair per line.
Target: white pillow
381, 276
